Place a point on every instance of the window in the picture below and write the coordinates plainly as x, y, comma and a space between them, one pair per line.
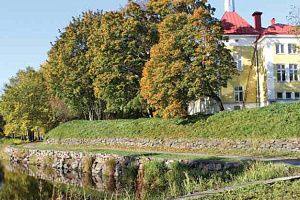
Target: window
279, 48
239, 62
280, 73
279, 95
294, 72
297, 95
239, 94
292, 48
237, 108
288, 95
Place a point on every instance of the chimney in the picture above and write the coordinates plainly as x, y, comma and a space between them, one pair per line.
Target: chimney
229, 6
273, 21
257, 20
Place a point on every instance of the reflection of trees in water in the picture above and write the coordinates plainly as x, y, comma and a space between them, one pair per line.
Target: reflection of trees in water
23, 182
1, 175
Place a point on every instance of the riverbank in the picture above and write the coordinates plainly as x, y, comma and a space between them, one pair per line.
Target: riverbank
154, 178
268, 131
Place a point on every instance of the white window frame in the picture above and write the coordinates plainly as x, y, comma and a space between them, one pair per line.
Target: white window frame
238, 59
298, 95
293, 72
280, 69
280, 49
292, 49
239, 94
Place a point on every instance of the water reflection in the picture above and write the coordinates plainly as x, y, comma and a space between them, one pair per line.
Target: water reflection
30, 182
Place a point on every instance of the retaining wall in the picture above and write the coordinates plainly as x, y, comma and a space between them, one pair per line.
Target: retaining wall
105, 164
278, 145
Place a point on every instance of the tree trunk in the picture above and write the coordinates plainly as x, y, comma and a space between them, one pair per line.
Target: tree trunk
91, 115
38, 135
150, 112
28, 136
219, 102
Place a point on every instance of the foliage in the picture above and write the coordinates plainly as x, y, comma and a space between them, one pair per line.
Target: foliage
190, 59
120, 47
24, 104
1, 124
68, 69
294, 16
154, 175
271, 122
60, 112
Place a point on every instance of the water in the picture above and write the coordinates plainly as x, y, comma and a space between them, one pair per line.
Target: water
33, 183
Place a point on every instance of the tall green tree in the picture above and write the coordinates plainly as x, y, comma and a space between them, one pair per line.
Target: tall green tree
120, 48
24, 105
68, 69
1, 124
190, 61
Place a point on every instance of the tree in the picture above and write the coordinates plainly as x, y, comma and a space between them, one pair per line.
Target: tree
294, 16
190, 60
25, 106
1, 124
294, 19
120, 48
68, 69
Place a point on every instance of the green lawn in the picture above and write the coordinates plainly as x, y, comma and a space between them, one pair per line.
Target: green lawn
272, 122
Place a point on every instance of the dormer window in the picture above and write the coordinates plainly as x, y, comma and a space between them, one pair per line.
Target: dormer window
279, 48
239, 62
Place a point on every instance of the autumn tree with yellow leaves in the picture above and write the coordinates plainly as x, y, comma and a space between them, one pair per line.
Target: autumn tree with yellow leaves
190, 61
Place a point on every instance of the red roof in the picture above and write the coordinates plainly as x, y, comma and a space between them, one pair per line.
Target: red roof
234, 24
279, 29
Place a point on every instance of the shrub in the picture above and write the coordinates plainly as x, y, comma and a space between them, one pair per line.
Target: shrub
154, 175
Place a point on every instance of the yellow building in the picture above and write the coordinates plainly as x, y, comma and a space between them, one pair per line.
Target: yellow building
267, 60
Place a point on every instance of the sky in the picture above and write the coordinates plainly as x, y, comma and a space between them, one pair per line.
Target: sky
28, 26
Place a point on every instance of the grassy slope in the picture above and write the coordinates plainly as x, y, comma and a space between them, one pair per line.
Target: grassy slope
277, 121
278, 191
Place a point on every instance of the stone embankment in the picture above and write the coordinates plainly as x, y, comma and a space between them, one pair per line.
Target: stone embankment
105, 164
278, 145
97, 182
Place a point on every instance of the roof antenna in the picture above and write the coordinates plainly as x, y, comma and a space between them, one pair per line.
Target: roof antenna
229, 6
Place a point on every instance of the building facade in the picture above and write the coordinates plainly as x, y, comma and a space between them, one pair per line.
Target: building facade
268, 64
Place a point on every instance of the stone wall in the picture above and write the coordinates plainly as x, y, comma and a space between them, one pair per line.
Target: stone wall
279, 145
97, 182
105, 164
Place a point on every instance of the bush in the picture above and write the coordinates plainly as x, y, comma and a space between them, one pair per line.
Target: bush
154, 175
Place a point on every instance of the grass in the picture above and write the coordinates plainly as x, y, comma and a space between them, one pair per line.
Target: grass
158, 183
279, 191
271, 122
5, 141
123, 152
